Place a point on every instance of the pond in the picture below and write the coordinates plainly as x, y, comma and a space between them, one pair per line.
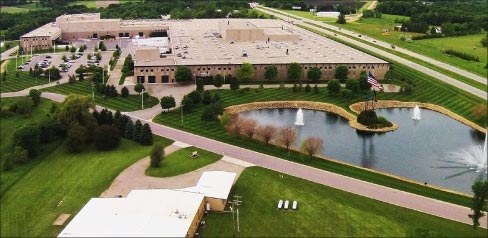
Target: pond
415, 151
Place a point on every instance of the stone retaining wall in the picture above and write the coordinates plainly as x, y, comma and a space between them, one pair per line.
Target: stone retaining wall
358, 107
318, 106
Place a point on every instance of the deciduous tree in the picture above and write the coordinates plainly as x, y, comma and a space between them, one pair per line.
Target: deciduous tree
157, 155
314, 74
287, 137
106, 137
183, 74
312, 145
168, 102
218, 81
246, 72
271, 72
267, 132
480, 190
294, 72
249, 127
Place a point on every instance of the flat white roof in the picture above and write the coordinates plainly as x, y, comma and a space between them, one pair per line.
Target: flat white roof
214, 184
143, 213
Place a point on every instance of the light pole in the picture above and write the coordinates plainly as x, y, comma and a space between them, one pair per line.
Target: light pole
103, 75
142, 99
49, 75
93, 91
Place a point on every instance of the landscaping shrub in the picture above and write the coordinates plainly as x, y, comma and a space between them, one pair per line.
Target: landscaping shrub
346, 93
195, 97
24, 106
51, 130
124, 92
107, 137
137, 134
28, 137
353, 85
333, 86
129, 130
157, 155
76, 138
371, 120
167, 102
20, 155
207, 98
367, 117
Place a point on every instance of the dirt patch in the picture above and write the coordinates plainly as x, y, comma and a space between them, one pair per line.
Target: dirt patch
61, 219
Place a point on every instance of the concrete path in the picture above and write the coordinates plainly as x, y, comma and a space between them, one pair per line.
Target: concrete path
134, 177
366, 189
415, 66
7, 54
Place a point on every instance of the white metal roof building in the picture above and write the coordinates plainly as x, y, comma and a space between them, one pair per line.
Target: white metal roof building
154, 212
143, 213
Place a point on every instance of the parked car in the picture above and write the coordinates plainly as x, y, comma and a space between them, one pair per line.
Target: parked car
20, 67
48, 57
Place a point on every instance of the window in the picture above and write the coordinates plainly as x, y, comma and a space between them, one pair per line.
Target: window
173, 70
167, 70
142, 70
306, 67
218, 68
198, 69
146, 70
152, 70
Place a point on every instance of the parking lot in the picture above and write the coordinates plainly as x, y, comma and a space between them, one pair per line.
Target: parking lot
49, 60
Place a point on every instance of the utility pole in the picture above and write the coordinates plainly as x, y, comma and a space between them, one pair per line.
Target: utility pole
237, 203
142, 99
103, 75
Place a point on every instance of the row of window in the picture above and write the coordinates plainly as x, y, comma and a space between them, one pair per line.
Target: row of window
255, 68
35, 39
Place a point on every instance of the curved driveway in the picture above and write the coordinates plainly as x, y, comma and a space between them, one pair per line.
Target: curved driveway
370, 190
423, 69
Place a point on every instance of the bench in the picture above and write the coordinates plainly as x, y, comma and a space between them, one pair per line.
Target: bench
294, 206
280, 204
286, 204
194, 154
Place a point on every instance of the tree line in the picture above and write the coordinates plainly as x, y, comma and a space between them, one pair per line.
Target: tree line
458, 17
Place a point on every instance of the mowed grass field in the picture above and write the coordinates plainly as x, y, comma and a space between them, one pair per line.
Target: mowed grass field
470, 44
56, 181
180, 162
14, 83
22, 8
131, 103
322, 212
8, 125
309, 15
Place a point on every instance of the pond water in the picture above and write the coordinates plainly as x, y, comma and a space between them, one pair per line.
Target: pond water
413, 151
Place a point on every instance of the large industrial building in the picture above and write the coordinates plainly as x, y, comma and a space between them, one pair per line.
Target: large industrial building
212, 46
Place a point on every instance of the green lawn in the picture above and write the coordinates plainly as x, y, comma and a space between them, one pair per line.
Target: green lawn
458, 77
179, 162
88, 4
132, 103
14, 83
373, 27
8, 125
12, 44
62, 183
309, 15
322, 212
23, 8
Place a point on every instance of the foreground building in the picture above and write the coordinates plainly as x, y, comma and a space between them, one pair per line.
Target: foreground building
154, 212
211, 46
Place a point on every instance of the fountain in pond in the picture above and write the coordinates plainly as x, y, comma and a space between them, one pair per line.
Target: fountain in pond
299, 118
472, 159
416, 113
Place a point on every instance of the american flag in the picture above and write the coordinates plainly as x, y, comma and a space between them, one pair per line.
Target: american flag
372, 80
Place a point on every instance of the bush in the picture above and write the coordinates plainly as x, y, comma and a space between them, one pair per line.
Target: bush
333, 86
353, 85
346, 93
51, 130
76, 138
8, 162
308, 88
28, 137
107, 137
24, 106
124, 92
207, 98
20, 155
371, 120
157, 155
195, 97
367, 117
35, 95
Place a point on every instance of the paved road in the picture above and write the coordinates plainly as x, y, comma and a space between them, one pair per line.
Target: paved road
6, 54
433, 73
377, 192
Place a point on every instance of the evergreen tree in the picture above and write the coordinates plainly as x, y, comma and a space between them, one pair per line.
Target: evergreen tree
129, 130
137, 134
117, 117
124, 92
146, 135
102, 116
109, 118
